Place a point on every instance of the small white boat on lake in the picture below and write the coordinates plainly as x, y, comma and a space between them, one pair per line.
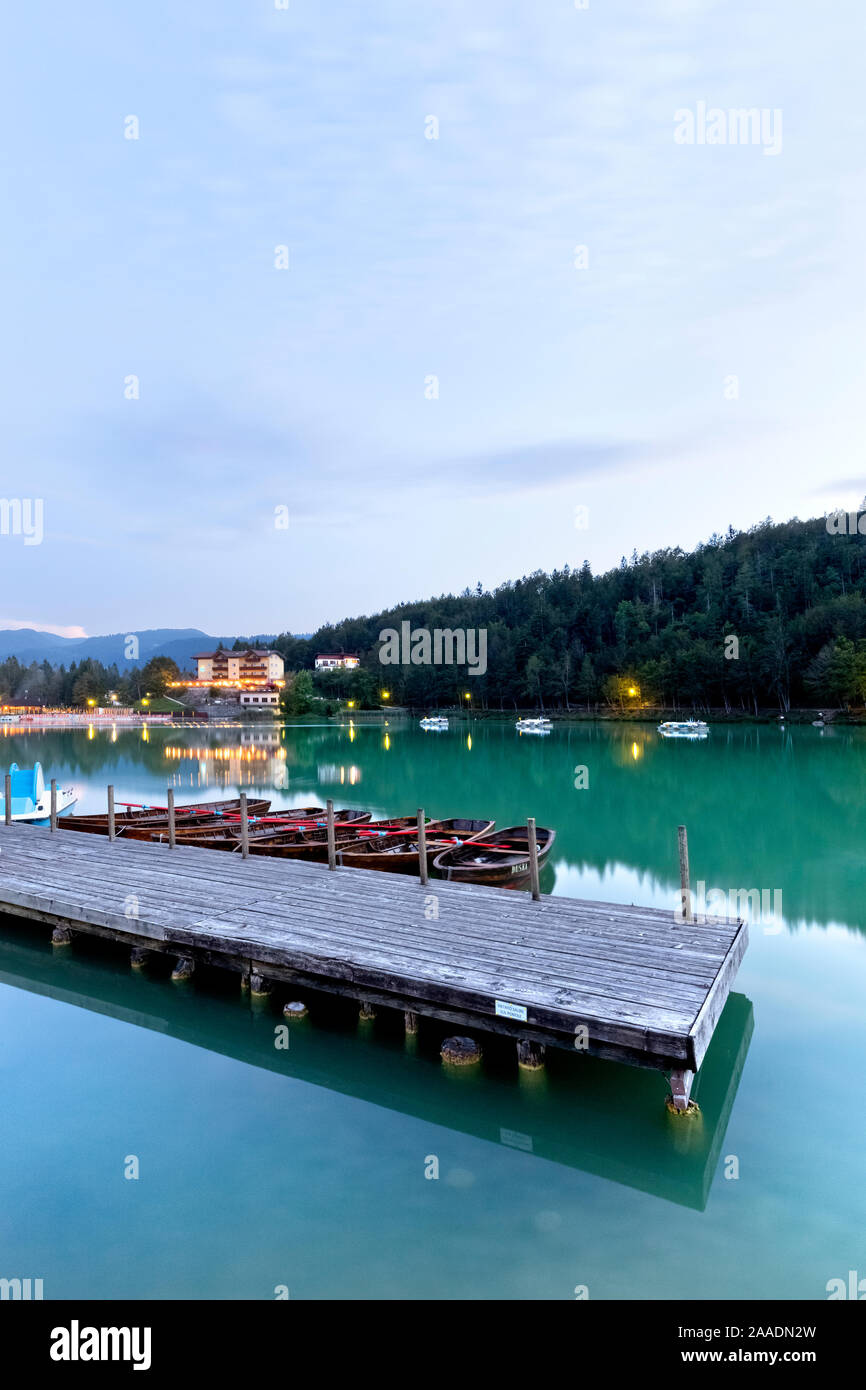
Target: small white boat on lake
684, 728
533, 726
436, 721
30, 799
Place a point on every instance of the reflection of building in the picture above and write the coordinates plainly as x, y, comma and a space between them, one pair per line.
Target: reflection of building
324, 662
247, 669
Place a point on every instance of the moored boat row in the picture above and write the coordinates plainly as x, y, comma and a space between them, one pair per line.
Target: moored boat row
464, 848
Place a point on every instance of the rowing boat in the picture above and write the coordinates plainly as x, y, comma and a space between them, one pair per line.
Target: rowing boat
146, 818
400, 853
229, 828
296, 841
499, 858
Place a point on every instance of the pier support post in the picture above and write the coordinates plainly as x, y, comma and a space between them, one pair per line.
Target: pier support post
530, 1055
7, 798
533, 859
53, 803
681, 1089
259, 987
61, 936
332, 842
245, 981
111, 825
172, 835
410, 1020
245, 828
183, 969
366, 1013
685, 888
138, 957
460, 1052
422, 848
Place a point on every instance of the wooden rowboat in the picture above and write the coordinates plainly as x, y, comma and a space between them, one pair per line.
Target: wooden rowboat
228, 827
499, 858
305, 841
129, 821
400, 853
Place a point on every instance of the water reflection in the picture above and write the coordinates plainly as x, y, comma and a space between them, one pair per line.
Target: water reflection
599, 1117
769, 810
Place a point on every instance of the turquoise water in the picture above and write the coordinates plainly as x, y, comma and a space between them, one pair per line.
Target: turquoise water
305, 1168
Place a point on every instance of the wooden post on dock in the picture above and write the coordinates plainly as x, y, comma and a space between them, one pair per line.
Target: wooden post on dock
7, 798
172, 837
422, 848
245, 828
111, 813
332, 842
533, 860
53, 803
684, 874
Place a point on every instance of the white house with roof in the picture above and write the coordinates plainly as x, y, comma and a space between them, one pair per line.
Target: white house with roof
326, 661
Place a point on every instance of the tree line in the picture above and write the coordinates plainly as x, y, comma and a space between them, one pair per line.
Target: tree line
774, 616
770, 617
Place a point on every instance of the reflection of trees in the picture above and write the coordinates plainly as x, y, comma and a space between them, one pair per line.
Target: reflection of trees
764, 808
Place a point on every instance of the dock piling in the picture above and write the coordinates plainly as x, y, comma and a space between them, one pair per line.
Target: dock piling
245, 828
53, 803
332, 842
7, 798
684, 874
422, 848
111, 825
533, 860
172, 837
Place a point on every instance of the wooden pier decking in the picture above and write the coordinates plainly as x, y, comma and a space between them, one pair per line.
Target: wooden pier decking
631, 984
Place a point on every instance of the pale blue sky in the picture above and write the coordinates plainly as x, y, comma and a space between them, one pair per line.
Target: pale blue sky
409, 257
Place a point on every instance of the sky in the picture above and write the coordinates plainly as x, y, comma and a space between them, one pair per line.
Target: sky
441, 387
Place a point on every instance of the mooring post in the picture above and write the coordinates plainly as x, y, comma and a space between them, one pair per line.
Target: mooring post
332, 842
245, 828
533, 859
172, 837
422, 848
684, 874
7, 798
53, 803
111, 813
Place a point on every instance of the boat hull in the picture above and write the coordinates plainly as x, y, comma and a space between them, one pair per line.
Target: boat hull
502, 858
401, 854
138, 825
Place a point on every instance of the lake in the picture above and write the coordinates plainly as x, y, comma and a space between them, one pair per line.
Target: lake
303, 1169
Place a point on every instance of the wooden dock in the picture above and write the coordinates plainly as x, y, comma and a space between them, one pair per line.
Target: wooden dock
630, 984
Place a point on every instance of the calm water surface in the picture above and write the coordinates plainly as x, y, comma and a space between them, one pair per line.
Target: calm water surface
305, 1167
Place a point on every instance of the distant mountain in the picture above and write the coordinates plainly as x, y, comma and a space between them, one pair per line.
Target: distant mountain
180, 643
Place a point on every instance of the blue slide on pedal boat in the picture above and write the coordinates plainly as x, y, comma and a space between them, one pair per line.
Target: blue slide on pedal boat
31, 799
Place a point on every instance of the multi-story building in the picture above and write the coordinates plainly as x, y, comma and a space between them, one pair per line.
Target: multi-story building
254, 668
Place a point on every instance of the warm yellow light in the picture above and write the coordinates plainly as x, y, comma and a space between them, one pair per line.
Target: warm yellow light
635, 751
145, 702
632, 690
351, 704
386, 694
467, 696
387, 741
469, 742
91, 702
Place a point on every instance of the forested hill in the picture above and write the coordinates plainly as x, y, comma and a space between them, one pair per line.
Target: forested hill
656, 629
